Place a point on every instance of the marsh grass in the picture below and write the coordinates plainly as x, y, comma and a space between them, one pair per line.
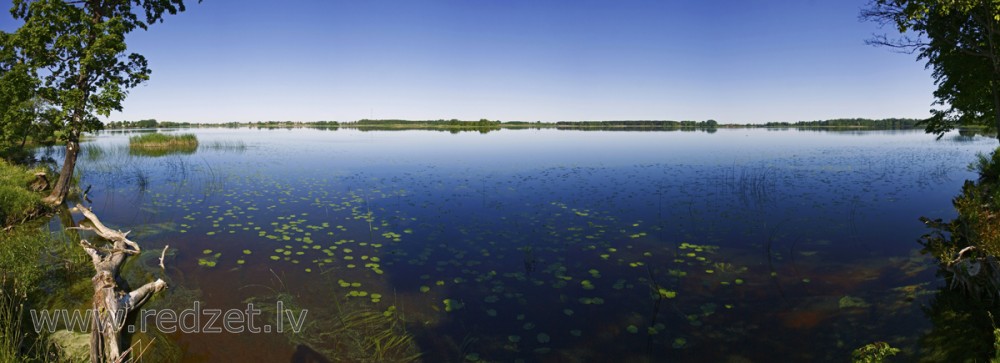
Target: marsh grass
351, 332
379, 336
13, 340
157, 144
753, 184
26, 248
91, 151
17, 203
225, 145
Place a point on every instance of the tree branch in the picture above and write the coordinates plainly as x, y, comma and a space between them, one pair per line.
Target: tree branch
904, 44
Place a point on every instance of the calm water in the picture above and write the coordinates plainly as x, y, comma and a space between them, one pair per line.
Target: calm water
546, 245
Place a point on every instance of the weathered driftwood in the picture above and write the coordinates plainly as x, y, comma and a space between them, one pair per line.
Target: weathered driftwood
111, 304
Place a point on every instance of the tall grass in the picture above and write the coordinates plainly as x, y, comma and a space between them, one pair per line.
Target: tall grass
157, 144
17, 203
12, 336
225, 145
163, 141
751, 184
92, 151
158, 140
21, 276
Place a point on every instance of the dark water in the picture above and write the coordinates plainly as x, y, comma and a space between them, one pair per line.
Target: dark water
547, 245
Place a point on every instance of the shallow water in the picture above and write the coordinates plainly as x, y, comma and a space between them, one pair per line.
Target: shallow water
549, 245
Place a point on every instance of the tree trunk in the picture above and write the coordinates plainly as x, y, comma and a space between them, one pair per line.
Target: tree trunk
111, 304
996, 109
992, 23
61, 189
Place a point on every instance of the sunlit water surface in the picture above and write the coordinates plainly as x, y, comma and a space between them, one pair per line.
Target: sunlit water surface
546, 245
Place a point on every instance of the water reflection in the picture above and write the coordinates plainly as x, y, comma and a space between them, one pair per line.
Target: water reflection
962, 328
547, 245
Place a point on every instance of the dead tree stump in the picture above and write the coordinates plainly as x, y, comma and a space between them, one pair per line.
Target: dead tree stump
111, 304
40, 183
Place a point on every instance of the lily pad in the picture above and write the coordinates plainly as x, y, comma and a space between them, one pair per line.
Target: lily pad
543, 338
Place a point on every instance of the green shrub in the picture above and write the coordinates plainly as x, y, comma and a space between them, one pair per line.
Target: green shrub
873, 353
968, 247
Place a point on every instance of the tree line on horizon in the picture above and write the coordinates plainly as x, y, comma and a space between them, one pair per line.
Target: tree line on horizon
888, 123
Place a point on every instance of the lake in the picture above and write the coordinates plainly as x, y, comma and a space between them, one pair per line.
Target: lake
545, 245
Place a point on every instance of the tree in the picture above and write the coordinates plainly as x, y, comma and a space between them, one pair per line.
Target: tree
77, 51
960, 40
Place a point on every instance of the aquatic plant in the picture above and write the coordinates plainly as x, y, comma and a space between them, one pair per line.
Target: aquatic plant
352, 332
224, 145
157, 144
873, 353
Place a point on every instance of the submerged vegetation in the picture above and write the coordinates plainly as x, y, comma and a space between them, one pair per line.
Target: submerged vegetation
536, 264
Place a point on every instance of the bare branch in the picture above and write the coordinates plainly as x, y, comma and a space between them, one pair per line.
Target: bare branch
904, 44
111, 304
162, 255
139, 296
95, 256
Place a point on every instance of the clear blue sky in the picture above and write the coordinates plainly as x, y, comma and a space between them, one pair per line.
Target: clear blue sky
733, 61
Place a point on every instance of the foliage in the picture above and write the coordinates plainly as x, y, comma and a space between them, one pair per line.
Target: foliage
141, 124
21, 256
968, 247
643, 123
25, 118
968, 251
17, 203
889, 123
960, 40
873, 353
76, 52
35, 263
450, 123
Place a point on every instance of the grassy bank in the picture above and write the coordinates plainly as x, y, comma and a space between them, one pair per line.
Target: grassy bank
21, 247
40, 270
18, 281
967, 245
964, 312
17, 202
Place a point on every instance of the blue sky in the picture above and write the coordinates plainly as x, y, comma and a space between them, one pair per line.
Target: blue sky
734, 61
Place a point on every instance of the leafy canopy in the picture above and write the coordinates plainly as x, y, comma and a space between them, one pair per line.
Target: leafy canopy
960, 41
77, 53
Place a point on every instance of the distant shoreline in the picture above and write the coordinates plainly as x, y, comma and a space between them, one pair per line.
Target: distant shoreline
484, 124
